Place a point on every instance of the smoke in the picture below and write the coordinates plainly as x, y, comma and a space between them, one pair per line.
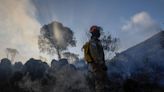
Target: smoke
141, 22
38, 76
58, 33
62, 34
11, 53
140, 27
69, 79
29, 85
71, 57
18, 26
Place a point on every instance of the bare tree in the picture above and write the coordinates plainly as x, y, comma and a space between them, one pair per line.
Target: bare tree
71, 56
55, 38
11, 53
109, 43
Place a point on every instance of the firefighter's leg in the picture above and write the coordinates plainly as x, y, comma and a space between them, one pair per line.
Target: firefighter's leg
100, 81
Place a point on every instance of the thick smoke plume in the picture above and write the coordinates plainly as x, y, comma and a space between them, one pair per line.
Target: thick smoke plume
19, 27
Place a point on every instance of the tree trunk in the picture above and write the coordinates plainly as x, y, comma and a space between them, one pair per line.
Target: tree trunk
58, 53
7, 55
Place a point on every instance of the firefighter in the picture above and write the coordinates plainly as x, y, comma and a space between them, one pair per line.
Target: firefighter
94, 55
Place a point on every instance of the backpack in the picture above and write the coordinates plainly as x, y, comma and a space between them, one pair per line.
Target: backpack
87, 55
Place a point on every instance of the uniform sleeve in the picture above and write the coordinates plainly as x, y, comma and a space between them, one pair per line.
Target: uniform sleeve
94, 52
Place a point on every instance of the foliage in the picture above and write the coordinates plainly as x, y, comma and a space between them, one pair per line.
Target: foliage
71, 56
55, 38
11, 52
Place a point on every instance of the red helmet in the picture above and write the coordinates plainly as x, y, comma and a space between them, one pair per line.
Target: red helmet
95, 28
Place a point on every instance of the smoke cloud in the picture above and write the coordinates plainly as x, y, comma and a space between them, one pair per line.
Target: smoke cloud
140, 27
62, 34
19, 27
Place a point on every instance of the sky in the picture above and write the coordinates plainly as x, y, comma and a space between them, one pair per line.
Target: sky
132, 21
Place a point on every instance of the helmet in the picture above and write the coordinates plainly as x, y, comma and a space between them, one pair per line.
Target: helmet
95, 28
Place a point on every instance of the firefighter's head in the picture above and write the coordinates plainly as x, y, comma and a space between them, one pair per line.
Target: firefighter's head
95, 31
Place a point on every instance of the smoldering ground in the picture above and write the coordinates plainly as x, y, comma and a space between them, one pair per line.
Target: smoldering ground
38, 76
60, 76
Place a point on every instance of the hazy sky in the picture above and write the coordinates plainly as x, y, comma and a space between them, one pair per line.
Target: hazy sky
130, 20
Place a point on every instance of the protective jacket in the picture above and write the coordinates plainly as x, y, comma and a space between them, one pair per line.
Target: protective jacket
96, 51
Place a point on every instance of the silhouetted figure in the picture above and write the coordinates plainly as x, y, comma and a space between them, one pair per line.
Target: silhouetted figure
97, 59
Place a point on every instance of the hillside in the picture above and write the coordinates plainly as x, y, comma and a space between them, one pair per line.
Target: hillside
143, 62
147, 48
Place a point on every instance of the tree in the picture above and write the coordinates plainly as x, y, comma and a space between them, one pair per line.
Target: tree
71, 56
55, 38
11, 53
110, 44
